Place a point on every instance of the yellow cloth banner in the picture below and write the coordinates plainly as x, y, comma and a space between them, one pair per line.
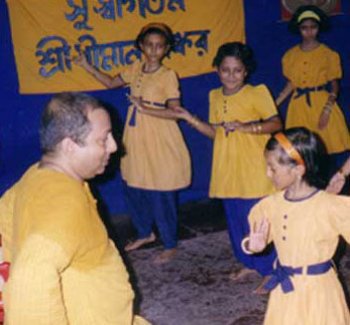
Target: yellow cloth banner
47, 34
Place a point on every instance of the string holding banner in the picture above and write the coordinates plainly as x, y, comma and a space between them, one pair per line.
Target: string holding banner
47, 37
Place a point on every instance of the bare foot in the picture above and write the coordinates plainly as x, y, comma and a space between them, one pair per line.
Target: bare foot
140, 242
166, 256
260, 290
241, 274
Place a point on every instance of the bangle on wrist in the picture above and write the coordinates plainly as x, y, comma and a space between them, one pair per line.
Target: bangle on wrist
244, 246
327, 108
333, 96
254, 129
194, 122
330, 103
259, 128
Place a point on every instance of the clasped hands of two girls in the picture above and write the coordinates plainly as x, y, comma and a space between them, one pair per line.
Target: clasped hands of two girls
183, 114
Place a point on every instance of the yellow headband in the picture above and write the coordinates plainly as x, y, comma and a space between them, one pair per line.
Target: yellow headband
308, 14
288, 148
164, 28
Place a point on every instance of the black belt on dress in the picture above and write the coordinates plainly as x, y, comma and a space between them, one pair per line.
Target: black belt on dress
306, 92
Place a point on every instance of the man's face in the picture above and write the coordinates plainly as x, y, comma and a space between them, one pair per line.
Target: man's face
91, 158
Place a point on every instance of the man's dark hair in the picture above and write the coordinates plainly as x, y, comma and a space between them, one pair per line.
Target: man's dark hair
66, 116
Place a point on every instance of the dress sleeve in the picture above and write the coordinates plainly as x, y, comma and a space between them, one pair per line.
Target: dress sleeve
33, 294
259, 212
334, 66
172, 86
264, 103
286, 67
340, 215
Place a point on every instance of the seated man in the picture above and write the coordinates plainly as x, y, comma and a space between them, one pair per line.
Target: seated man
64, 269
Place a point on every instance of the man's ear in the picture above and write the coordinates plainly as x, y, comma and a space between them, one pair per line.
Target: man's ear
68, 146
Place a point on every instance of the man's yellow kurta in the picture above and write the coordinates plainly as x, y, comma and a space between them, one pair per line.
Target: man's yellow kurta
64, 268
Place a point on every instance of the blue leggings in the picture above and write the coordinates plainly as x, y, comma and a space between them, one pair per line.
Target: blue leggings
237, 211
147, 207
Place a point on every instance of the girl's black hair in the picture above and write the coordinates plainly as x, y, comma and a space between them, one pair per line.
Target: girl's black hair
156, 28
323, 23
312, 150
238, 50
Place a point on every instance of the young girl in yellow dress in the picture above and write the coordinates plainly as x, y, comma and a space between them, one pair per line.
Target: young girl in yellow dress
312, 70
157, 162
304, 223
241, 118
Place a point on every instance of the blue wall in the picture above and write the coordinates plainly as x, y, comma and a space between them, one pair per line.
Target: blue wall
268, 36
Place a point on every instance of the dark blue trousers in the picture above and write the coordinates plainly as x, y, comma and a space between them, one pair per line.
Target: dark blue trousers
148, 207
237, 211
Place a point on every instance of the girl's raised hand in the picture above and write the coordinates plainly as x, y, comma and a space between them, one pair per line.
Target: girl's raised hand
258, 236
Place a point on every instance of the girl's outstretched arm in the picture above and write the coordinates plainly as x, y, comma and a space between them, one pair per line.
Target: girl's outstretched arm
268, 126
284, 94
201, 126
105, 79
168, 113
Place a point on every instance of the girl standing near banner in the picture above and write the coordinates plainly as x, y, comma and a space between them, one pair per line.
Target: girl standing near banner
305, 224
313, 70
241, 119
157, 162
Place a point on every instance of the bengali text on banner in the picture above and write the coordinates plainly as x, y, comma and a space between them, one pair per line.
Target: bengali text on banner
48, 34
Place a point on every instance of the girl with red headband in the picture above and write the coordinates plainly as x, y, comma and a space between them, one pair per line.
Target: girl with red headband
157, 162
304, 223
312, 71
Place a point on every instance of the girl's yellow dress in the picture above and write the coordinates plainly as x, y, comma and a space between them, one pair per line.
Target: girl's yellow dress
238, 168
306, 232
314, 69
156, 154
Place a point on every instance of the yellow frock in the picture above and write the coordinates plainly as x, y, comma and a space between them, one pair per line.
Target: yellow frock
156, 154
306, 232
312, 69
238, 168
